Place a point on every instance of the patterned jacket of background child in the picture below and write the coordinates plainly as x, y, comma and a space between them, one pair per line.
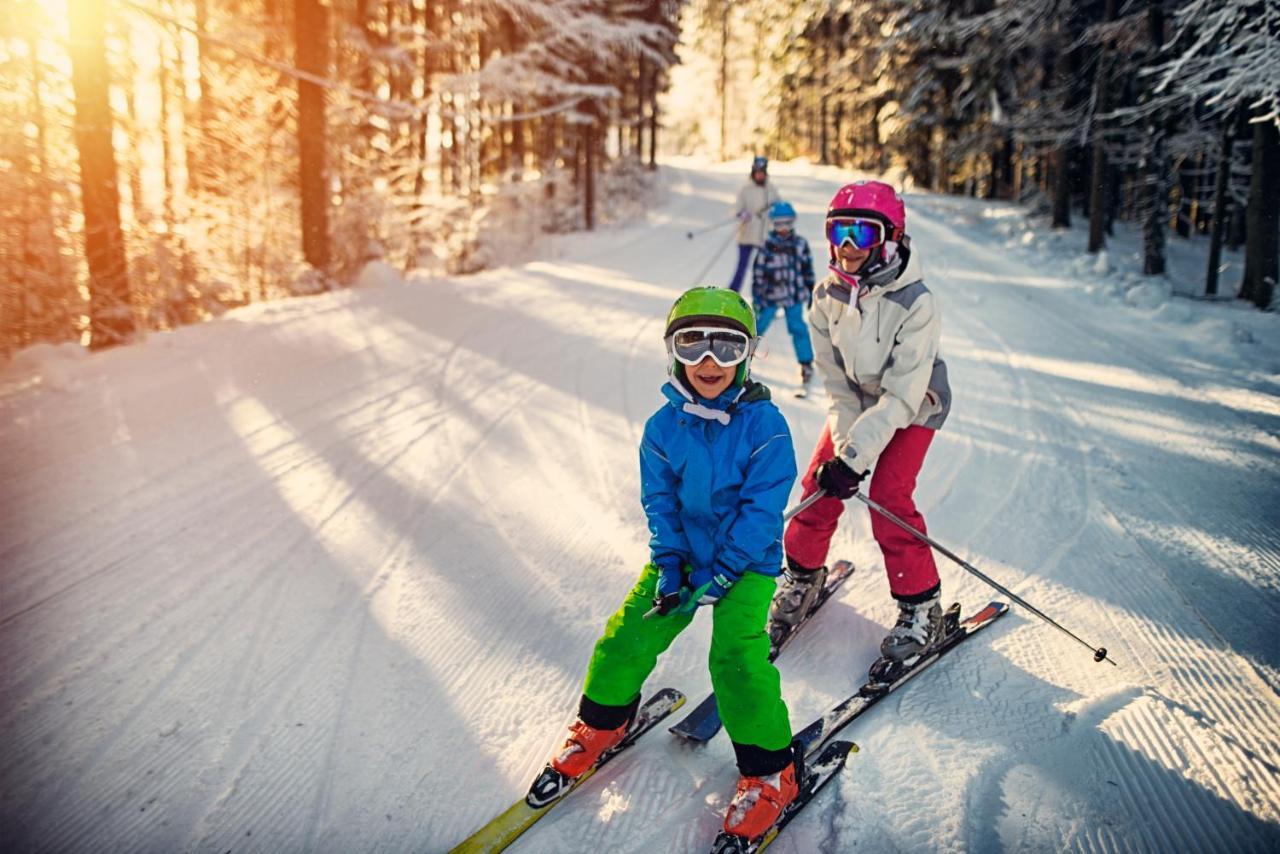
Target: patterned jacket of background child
783, 272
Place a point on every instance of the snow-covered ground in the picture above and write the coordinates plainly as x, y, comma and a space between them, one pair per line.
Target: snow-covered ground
323, 575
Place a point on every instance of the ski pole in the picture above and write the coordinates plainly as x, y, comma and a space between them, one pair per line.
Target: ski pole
716, 257
721, 224
803, 504
1099, 653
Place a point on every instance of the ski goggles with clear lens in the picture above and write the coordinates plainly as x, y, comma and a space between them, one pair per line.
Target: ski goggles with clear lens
726, 347
862, 233
786, 223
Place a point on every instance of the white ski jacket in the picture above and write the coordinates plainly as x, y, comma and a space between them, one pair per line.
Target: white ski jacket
755, 199
877, 354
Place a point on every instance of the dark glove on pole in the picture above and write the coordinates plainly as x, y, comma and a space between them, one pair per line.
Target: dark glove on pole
836, 478
671, 591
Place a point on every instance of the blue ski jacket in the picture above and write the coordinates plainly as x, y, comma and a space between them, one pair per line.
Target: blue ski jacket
715, 476
783, 271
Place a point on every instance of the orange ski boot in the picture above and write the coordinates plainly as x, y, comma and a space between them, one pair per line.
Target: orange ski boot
584, 746
759, 801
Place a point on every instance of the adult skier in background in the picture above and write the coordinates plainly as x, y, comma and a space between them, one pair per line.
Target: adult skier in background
876, 329
716, 468
753, 201
782, 278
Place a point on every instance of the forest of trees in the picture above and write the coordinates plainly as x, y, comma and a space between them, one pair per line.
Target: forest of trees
162, 160
1159, 112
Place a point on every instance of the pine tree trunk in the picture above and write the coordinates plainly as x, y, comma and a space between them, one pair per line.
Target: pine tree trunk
589, 176
1221, 183
1155, 208
723, 80
1155, 205
1183, 209
199, 172
642, 85
311, 44
653, 122
1262, 246
110, 301
1098, 167
1062, 187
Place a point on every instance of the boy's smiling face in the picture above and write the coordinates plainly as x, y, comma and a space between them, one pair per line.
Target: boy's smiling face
708, 379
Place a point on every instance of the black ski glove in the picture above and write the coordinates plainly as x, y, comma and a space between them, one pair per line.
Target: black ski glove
837, 479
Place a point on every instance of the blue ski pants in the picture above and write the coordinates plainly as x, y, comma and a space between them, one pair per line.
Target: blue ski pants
796, 325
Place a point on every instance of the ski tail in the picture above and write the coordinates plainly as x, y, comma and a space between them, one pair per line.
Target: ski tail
818, 733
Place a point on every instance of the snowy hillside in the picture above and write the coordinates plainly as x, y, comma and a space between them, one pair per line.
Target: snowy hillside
323, 575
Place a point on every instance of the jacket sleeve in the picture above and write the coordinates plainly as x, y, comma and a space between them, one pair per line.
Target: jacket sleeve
658, 483
845, 406
771, 471
904, 383
806, 265
760, 272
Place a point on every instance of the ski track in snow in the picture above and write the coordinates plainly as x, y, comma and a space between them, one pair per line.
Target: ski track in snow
324, 575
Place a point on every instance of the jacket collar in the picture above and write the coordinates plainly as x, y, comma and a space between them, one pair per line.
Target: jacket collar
719, 409
889, 278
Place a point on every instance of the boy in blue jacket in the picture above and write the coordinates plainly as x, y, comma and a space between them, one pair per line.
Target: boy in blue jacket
716, 469
783, 279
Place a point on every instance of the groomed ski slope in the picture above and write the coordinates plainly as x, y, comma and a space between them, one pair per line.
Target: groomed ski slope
323, 575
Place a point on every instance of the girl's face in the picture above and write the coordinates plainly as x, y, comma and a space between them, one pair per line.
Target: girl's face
851, 257
708, 379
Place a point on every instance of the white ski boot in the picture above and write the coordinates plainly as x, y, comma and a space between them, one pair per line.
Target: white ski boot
918, 628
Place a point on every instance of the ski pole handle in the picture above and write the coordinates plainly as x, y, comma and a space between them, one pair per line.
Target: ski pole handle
1099, 653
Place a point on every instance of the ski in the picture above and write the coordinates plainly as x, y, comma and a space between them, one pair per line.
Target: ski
701, 724
814, 736
818, 772
551, 787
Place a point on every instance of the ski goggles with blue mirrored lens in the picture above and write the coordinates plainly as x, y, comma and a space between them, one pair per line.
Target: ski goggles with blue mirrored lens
726, 347
862, 233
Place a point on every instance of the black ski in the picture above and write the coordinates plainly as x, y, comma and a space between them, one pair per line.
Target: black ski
818, 772
818, 733
551, 787
703, 722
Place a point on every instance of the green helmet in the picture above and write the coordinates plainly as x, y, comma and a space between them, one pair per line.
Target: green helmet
709, 304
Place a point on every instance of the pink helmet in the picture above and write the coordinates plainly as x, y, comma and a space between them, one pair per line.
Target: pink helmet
872, 200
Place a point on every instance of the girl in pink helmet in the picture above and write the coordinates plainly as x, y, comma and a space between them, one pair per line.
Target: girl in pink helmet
875, 330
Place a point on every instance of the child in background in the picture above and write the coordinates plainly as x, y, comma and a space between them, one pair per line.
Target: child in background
783, 279
716, 468
753, 201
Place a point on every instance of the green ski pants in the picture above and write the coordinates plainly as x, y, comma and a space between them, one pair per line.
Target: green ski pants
748, 688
